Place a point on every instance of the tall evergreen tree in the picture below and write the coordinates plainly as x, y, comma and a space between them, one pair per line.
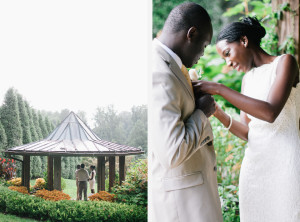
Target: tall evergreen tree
43, 126
72, 168
3, 138
24, 118
44, 164
48, 125
65, 167
36, 124
36, 167
33, 132
10, 119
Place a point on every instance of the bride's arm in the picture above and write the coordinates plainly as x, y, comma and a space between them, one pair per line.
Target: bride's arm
287, 73
240, 129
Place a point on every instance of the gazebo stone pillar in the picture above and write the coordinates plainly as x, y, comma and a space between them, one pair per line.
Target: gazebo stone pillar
101, 173
26, 168
57, 173
112, 171
50, 173
121, 169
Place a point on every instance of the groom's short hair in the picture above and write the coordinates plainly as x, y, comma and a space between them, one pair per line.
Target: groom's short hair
185, 16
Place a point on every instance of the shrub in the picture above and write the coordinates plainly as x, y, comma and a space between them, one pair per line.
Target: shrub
230, 203
68, 210
134, 189
103, 195
229, 150
15, 182
63, 183
20, 189
229, 153
39, 183
54, 195
7, 168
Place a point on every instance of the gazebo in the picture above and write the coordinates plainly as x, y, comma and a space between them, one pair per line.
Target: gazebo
74, 138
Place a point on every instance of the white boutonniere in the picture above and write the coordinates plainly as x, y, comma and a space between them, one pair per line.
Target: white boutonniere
195, 75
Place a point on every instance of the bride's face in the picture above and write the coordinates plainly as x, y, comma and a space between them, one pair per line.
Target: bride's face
235, 54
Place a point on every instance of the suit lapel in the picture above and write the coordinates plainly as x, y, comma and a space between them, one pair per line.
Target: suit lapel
174, 68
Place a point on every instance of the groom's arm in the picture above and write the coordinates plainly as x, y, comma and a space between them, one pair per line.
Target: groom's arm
175, 139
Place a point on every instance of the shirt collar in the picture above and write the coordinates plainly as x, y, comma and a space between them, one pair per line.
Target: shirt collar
172, 54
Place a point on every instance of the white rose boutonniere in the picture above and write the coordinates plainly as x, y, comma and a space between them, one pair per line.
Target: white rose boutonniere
195, 75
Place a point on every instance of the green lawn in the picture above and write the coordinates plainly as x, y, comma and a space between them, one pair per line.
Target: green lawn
12, 218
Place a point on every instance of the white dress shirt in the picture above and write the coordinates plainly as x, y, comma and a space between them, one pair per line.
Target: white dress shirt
172, 54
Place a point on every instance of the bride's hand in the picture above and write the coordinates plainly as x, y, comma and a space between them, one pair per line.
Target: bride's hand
218, 110
205, 87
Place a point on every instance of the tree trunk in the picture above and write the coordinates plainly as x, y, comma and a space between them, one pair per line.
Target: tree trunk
289, 25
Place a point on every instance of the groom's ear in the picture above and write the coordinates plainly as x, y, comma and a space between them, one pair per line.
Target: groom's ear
191, 33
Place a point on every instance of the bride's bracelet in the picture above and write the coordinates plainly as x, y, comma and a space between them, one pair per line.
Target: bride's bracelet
230, 122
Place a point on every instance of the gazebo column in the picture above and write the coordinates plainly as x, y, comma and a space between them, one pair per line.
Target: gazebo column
50, 173
112, 171
121, 168
26, 164
100, 173
57, 173
23, 173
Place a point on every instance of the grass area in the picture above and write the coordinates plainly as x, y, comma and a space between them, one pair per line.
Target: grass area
70, 189
12, 218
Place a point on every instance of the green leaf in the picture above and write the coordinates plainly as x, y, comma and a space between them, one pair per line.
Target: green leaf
239, 8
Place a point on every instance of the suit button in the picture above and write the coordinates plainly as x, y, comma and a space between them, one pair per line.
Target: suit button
215, 168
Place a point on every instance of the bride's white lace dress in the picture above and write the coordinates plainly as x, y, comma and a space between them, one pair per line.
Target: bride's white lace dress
270, 173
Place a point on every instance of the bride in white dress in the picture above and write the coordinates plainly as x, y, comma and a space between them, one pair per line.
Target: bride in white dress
270, 114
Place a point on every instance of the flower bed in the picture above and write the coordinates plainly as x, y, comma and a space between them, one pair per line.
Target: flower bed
19, 189
54, 195
103, 195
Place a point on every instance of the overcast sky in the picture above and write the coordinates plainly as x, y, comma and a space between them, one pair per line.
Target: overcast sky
75, 54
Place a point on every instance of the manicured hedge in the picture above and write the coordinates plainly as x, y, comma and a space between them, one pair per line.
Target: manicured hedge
16, 203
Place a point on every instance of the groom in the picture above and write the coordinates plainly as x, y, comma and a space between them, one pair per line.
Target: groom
182, 175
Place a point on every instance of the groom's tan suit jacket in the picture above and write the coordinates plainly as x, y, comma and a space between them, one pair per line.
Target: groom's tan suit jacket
182, 162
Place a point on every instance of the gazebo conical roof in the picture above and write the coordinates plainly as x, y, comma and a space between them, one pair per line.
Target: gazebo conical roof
73, 138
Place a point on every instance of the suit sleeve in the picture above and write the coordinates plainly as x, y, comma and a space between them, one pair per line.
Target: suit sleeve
174, 139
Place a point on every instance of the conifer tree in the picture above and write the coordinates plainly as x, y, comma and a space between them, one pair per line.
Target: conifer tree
44, 164
43, 126
10, 119
65, 167
33, 132
72, 168
36, 124
24, 120
48, 125
3, 139
36, 167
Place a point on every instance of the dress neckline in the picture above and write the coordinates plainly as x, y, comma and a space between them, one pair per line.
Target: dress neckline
267, 64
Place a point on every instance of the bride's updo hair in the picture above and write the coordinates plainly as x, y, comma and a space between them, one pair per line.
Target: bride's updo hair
248, 26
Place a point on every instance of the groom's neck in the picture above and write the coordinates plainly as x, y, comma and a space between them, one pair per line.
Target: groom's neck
174, 41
